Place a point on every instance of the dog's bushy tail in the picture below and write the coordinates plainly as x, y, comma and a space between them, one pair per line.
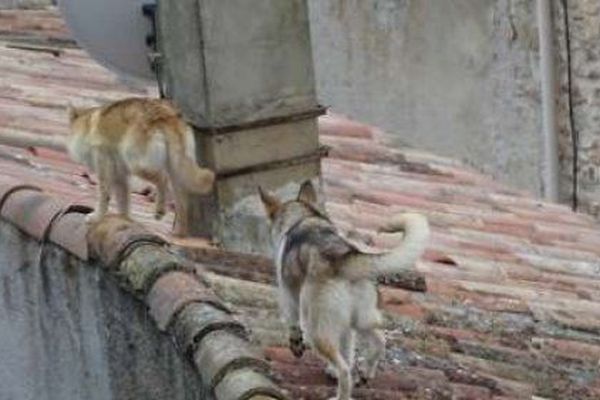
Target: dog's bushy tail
182, 165
401, 259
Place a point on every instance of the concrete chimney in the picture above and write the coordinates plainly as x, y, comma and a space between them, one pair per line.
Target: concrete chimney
242, 73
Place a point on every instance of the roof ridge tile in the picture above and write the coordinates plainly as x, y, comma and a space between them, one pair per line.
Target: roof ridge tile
113, 237
69, 232
174, 290
182, 303
11, 187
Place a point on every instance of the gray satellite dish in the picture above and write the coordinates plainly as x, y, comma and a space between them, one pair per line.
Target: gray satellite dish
113, 32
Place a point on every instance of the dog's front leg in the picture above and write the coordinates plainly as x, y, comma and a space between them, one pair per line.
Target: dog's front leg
288, 304
296, 342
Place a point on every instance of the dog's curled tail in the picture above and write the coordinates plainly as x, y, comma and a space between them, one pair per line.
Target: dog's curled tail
401, 259
182, 166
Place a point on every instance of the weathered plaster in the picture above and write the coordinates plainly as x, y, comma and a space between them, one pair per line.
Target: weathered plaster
70, 332
459, 78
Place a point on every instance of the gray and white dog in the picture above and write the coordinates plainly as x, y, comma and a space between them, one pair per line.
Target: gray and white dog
328, 287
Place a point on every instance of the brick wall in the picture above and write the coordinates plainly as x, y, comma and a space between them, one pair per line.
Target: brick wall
584, 29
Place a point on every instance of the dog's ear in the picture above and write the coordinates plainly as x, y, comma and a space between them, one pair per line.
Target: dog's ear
73, 112
270, 201
307, 193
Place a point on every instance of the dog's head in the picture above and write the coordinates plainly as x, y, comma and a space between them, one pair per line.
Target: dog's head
78, 118
284, 214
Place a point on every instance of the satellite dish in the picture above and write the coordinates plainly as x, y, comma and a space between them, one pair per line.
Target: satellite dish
113, 32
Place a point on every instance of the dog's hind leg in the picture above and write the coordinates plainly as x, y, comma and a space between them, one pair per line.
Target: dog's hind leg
375, 350
348, 346
121, 185
103, 166
161, 184
347, 349
332, 354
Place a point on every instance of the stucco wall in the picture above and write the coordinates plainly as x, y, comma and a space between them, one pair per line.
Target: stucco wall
456, 77
70, 332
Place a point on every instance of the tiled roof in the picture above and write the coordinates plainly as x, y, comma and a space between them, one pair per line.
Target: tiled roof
513, 306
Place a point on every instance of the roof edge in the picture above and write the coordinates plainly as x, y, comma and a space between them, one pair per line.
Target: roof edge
179, 300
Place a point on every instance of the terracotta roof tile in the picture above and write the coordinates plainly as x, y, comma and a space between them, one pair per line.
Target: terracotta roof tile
145, 264
113, 236
513, 282
225, 352
32, 211
247, 384
196, 320
68, 232
172, 292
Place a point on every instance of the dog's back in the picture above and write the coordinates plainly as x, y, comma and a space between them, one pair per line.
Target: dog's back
315, 237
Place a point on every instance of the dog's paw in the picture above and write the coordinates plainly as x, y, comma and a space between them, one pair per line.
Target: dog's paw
296, 344
297, 347
331, 372
159, 213
361, 379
